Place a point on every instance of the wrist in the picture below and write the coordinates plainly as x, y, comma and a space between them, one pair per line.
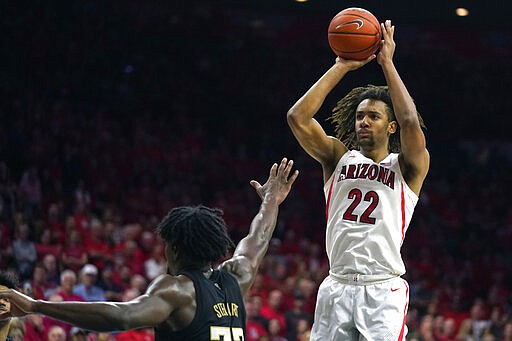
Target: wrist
387, 63
340, 69
270, 199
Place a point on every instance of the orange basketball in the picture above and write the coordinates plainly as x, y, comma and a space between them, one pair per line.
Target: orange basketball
354, 33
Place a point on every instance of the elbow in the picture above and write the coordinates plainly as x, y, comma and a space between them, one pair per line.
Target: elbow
293, 117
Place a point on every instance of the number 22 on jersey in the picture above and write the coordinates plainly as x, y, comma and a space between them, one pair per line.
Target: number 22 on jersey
356, 196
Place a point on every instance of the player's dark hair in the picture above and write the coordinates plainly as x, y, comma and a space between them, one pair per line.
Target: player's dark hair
8, 280
199, 233
343, 115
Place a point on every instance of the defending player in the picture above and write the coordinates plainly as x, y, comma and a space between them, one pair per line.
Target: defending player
373, 172
193, 301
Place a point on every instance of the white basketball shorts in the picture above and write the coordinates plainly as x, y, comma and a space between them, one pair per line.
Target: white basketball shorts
361, 312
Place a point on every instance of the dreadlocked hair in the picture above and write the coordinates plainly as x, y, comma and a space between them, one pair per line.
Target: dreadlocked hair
8, 280
198, 232
343, 115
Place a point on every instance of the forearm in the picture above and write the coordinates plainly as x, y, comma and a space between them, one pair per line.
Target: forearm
264, 222
403, 104
255, 245
97, 316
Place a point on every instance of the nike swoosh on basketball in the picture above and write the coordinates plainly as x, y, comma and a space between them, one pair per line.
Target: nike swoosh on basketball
359, 23
394, 289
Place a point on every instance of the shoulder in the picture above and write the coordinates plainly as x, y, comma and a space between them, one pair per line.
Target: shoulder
241, 268
172, 287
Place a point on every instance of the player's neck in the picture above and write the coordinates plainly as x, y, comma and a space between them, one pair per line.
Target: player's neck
377, 155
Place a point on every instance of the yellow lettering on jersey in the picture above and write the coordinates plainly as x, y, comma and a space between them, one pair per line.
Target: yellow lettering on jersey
230, 309
234, 309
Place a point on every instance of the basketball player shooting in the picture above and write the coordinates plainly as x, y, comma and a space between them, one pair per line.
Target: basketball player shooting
373, 171
192, 301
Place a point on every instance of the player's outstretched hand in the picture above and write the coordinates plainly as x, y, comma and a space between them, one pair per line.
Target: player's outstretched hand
15, 304
279, 182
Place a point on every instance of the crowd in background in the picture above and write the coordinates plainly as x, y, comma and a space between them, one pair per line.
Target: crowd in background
111, 114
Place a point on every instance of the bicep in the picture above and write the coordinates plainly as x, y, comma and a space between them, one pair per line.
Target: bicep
146, 311
313, 139
414, 155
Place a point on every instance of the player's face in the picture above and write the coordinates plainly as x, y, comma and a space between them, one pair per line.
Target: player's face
371, 123
5, 305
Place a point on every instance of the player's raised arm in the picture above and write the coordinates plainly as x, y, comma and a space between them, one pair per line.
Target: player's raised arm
309, 133
250, 251
414, 156
162, 297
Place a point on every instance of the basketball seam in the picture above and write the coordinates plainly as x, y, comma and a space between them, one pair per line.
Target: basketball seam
356, 34
365, 19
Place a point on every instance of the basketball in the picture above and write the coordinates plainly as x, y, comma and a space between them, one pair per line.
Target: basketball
354, 33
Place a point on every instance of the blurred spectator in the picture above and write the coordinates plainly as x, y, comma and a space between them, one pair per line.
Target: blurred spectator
147, 244
256, 324
497, 323
35, 328
113, 291
465, 332
24, 251
448, 330
133, 255
56, 333
139, 283
97, 248
17, 330
507, 331
156, 264
40, 286
74, 254
122, 275
293, 316
77, 334
52, 269
303, 330
274, 330
272, 309
479, 322
47, 245
87, 288
426, 331
55, 223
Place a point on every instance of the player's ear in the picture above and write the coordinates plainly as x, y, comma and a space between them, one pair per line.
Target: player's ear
392, 126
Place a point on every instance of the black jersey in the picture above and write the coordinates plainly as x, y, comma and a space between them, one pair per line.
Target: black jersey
220, 311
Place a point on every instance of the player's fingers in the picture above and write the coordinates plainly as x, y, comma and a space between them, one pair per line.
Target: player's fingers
293, 177
273, 170
282, 165
288, 168
255, 184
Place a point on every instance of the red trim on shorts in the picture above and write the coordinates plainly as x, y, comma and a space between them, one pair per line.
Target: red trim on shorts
402, 206
329, 197
401, 336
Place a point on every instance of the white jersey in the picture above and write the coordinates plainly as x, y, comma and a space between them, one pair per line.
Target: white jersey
368, 208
